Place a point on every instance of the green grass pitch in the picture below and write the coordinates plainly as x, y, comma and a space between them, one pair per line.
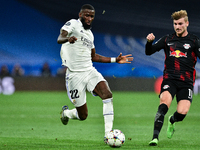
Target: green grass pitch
31, 120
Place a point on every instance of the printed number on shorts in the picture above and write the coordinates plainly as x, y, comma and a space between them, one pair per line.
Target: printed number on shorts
74, 94
190, 94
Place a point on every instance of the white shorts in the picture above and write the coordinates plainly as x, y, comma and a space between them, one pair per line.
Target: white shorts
78, 82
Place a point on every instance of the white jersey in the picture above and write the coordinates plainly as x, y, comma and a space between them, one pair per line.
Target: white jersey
77, 56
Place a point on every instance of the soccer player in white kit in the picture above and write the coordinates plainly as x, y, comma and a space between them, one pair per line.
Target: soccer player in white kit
77, 53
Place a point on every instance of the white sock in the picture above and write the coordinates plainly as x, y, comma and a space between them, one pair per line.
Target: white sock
72, 114
108, 114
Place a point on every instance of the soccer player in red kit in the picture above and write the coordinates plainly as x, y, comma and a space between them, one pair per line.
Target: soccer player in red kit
181, 51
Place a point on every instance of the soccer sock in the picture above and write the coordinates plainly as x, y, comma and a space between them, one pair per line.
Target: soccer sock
108, 114
72, 114
159, 119
177, 117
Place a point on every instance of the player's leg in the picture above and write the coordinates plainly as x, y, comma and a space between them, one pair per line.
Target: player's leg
165, 101
182, 109
77, 113
67, 114
103, 91
77, 95
80, 111
166, 97
184, 99
98, 86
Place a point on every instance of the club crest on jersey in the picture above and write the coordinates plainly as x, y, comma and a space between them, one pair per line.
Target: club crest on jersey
74, 101
178, 54
68, 23
186, 46
165, 86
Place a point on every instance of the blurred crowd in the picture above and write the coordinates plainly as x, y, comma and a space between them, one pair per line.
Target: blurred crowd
18, 71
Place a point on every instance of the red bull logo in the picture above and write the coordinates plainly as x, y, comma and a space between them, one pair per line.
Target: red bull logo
178, 54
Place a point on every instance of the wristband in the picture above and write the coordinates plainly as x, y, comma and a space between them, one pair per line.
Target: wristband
113, 60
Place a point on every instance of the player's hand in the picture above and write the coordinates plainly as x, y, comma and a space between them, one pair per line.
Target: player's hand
124, 59
150, 37
72, 39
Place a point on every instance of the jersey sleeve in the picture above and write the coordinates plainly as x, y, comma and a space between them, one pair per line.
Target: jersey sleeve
151, 48
93, 46
197, 50
69, 26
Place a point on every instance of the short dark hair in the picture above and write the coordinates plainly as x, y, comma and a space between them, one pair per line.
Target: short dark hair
87, 6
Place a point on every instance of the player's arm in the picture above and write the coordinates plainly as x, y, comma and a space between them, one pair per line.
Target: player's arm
120, 59
151, 48
197, 50
62, 38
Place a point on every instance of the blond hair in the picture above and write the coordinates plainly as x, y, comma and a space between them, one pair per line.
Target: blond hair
180, 14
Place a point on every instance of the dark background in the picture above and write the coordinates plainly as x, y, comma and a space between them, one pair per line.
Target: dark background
124, 17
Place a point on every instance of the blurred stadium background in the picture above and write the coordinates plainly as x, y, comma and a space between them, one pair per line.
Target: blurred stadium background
29, 31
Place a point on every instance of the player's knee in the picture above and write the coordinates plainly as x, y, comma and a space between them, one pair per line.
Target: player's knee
166, 98
183, 112
83, 116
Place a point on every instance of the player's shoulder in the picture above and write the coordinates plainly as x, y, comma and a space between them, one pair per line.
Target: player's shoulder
171, 35
193, 36
72, 22
166, 37
194, 39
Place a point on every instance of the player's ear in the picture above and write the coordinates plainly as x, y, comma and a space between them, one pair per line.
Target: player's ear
187, 23
80, 14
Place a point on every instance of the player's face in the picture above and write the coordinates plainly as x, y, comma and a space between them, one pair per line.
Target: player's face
180, 27
87, 16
